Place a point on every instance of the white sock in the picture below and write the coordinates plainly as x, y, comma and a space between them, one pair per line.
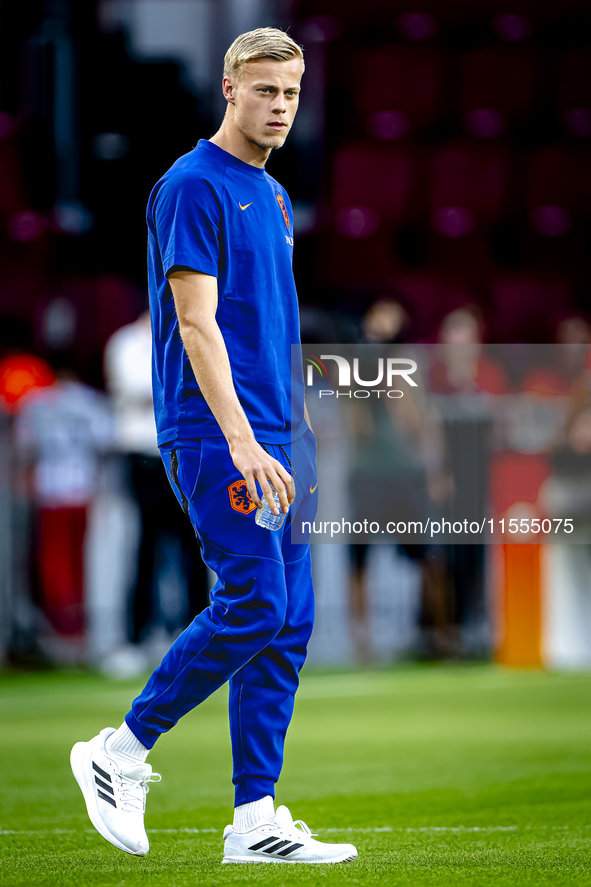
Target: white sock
125, 744
248, 816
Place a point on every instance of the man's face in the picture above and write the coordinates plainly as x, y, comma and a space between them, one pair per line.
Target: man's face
265, 95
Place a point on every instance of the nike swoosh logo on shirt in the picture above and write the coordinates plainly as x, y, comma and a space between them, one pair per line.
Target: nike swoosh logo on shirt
244, 207
313, 489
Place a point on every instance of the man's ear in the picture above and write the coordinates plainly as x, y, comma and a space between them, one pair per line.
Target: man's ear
228, 89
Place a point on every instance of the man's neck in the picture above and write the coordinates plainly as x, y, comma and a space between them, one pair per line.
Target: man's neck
230, 139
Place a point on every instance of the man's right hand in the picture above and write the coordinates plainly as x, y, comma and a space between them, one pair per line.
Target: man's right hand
255, 464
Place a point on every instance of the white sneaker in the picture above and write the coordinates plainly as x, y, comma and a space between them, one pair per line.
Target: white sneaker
115, 793
282, 840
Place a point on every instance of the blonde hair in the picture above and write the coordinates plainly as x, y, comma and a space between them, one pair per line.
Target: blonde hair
263, 43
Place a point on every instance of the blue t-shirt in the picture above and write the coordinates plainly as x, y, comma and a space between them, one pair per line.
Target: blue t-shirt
213, 213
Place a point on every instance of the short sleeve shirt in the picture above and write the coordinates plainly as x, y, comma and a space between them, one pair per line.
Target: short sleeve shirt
213, 213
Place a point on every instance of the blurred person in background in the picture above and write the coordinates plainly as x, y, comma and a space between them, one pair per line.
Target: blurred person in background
564, 382
21, 371
558, 369
395, 471
128, 375
386, 322
465, 368
62, 432
569, 486
464, 375
567, 494
573, 329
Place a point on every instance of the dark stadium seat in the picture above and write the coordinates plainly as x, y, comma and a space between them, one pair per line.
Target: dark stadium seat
522, 303
573, 92
469, 186
348, 261
382, 178
499, 80
555, 190
407, 80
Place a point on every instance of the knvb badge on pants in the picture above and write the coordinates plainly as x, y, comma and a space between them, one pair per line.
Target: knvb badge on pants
240, 497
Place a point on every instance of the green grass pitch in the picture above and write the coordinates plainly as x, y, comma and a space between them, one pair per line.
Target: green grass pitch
441, 775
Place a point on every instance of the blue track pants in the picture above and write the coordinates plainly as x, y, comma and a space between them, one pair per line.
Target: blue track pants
256, 630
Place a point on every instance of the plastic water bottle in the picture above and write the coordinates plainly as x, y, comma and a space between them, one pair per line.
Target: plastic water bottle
265, 517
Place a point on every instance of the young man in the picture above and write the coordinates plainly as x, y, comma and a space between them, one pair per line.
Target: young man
224, 315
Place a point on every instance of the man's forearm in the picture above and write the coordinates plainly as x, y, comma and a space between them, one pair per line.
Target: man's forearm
195, 297
209, 359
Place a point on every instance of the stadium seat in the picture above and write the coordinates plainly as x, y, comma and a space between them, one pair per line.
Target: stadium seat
521, 306
371, 13
429, 295
469, 187
512, 27
555, 190
573, 92
345, 261
382, 178
403, 80
497, 89
349, 14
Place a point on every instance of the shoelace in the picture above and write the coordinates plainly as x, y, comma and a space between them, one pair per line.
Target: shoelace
135, 802
305, 828
287, 829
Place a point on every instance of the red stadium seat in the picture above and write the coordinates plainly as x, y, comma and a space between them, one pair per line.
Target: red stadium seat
382, 178
404, 80
522, 305
573, 92
346, 261
428, 295
555, 190
498, 80
469, 187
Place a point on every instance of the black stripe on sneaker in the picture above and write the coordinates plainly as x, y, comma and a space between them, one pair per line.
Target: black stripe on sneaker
289, 850
104, 785
101, 772
263, 843
106, 798
276, 847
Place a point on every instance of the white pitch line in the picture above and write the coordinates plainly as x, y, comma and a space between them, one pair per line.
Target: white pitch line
431, 829
454, 829
91, 831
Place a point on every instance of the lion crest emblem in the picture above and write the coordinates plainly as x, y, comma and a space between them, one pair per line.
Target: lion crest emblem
240, 497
